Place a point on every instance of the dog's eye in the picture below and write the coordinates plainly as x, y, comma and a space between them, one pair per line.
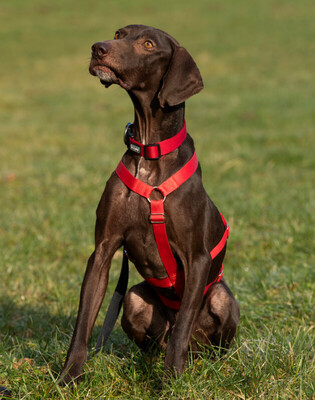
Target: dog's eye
148, 44
117, 35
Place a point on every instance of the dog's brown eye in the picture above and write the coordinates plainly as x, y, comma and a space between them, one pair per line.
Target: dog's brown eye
148, 44
117, 35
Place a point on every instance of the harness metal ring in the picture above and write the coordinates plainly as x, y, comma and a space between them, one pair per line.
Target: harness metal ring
159, 190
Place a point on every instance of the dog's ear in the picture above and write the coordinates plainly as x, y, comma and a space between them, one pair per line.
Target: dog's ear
181, 80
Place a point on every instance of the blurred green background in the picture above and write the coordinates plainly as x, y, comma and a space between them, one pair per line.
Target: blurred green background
61, 136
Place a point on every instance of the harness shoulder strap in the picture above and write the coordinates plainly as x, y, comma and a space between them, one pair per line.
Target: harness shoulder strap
181, 176
133, 183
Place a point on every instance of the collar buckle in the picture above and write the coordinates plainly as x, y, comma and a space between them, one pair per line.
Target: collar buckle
135, 148
152, 151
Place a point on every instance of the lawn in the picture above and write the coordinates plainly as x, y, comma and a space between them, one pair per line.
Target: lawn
60, 138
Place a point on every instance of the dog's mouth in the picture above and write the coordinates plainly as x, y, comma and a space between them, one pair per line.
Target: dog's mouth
106, 75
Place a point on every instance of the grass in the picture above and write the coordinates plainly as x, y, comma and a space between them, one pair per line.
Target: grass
61, 136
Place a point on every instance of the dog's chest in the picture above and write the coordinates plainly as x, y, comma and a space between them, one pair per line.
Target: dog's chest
143, 252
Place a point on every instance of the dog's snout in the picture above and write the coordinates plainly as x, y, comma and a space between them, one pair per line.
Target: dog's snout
100, 49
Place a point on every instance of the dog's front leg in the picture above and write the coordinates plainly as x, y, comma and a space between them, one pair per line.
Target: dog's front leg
177, 348
92, 293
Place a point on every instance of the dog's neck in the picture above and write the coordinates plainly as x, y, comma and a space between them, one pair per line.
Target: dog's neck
152, 123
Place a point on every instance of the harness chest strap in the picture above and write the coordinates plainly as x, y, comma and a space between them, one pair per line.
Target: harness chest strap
175, 277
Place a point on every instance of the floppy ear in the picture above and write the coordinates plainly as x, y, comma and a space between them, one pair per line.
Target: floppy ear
181, 80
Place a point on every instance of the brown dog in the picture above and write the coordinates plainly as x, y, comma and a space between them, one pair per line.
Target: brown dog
159, 75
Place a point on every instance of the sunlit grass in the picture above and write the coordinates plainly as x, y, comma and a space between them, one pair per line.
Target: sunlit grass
60, 138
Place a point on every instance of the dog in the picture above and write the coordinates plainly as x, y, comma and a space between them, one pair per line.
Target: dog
155, 205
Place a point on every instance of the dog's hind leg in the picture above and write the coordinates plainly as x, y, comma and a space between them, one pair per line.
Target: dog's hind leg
145, 319
218, 318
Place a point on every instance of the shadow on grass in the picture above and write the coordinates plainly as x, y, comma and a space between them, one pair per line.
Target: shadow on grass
35, 333
35, 330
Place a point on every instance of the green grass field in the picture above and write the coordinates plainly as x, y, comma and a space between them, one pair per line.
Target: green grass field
60, 138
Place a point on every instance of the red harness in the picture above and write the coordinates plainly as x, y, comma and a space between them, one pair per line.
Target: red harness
175, 278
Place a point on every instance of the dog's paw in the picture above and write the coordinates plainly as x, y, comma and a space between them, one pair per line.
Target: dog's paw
69, 377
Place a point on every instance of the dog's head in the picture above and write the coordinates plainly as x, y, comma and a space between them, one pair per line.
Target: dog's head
142, 58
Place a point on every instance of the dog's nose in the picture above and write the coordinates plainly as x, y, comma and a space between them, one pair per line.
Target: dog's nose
100, 49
